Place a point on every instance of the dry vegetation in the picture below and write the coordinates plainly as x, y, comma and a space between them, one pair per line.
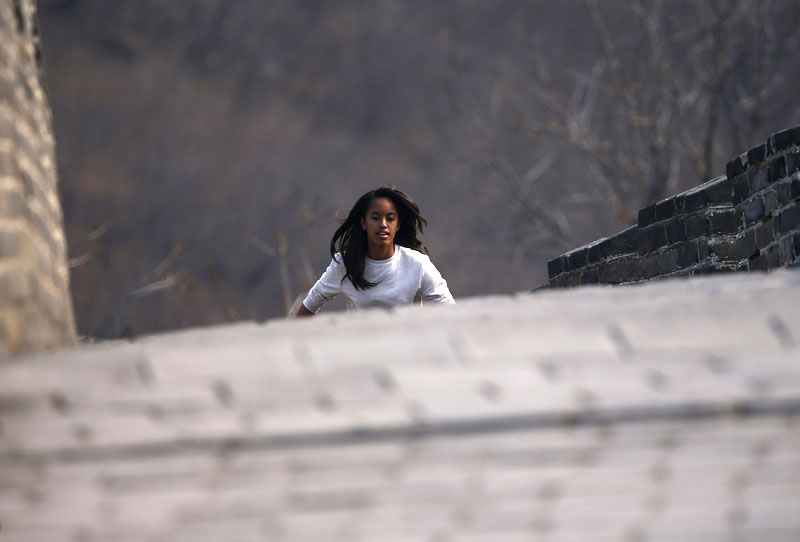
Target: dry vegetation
205, 149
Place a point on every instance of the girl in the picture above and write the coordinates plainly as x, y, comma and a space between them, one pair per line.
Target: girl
377, 260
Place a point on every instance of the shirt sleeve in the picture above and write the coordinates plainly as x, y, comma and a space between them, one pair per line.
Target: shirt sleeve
327, 287
434, 287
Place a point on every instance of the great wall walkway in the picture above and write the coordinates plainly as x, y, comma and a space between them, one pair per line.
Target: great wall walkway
667, 411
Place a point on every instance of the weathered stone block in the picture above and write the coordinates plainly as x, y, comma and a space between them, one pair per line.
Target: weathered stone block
796, 245
18, 285
795, 186
686, 254
764, 234
759, 263
665, 209
696, 225
12, 205
783, 192
741, 189
650, 266
676, 230
776, 169
758, 179
647, 216
723, 248
668, 261
555, 267
589, 276
625, 242
784, 139
703, 249
576, 259
757, 154
13, 243
737, 166
596, 252
753, 211
652, 238
789, 219
785, 250
772, 257
719, 192
723, 220
793, 162
770, 201
746, 244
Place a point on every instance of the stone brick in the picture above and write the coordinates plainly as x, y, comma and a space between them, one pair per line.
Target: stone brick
719, 192
647, 216
758, 180
784, 139
589, 276
676, 230
772, 257
555, 266
703, 249
723, 220
796, 244
795, 186
793, 162
18, 285
737, 166
696, 225
753, 211
746, 244
687, 254
625, 242
576, 259
652, 238
764, 234
783, 192
13, 243
741, 190
759, 263
776, 169
789, 219
757, 154
665, 209
770, 201
12, 205
668, 261
596, 252
650, 266
723, 248
785, 250
703, 269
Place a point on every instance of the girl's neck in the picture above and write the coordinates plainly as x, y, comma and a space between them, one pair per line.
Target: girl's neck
380, 253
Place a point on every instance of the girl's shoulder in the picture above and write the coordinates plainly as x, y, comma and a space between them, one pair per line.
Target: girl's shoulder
409, 254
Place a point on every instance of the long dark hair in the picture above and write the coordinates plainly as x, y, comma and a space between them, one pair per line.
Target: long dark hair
350, 240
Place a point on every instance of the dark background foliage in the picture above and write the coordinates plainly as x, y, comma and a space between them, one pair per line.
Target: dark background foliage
205, 147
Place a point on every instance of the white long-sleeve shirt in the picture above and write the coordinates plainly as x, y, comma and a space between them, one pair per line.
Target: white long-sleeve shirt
407, 277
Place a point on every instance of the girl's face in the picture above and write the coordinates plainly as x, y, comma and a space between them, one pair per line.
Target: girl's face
381, 223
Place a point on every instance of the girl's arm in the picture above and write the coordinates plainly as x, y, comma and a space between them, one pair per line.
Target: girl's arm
434, 287
326, 288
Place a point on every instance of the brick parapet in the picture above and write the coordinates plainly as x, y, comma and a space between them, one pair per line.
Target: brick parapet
746, 220
35, 304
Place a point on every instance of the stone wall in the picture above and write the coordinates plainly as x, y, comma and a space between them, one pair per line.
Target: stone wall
746, 220
35, 305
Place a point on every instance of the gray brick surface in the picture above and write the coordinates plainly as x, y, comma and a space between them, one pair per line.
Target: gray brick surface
570, 415
36, 311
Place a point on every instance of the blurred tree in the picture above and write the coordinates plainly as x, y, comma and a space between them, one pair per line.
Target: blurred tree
678, 91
